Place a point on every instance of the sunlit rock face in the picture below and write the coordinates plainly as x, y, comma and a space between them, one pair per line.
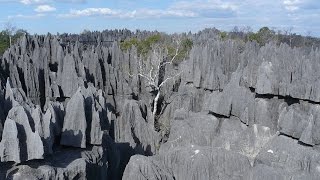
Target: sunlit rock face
71, 108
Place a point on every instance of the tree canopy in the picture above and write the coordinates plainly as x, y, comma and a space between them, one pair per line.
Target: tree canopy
145, 45
5, 38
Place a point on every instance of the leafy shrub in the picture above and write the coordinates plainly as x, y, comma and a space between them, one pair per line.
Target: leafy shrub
183, 51
5, 40
145, 45
223, 35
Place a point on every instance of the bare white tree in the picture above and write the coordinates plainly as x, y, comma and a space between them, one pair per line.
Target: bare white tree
10, 28
288, 32
152, 70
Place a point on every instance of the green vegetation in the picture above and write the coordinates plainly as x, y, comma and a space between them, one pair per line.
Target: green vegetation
145, 45
5, 39
263, 36
183, 51
223, 35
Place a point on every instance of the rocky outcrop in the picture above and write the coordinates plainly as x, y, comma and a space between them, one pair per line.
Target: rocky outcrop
245, 100
283, 158
141, 167
189, 163
75, 124
66, 164
71, 109
133, 128
24, 139
9, 146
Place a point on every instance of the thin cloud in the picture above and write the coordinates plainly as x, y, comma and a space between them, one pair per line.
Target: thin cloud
292, 5
22, 16
32, 2
27, 2
141, 13
44, 8
207, 8
71, 1
91, 12
204, 5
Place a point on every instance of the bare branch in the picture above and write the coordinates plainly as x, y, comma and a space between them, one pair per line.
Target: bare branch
169, 78
150, 73
175, 55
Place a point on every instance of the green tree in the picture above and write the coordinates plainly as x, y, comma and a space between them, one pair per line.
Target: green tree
4, 41
144, 46
263, 36
6, 38
223, 35
182, 51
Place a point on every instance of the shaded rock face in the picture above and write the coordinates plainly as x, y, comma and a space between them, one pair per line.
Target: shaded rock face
10, 150
71, 110
133, 128
257, 107
75, 124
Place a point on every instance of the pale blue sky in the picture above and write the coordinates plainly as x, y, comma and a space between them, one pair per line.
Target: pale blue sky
73, 16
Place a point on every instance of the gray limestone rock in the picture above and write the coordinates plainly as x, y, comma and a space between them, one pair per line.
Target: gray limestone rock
9, 145
205, 163
30, 144
132, 127
300, 121
96, 132
221, 116
265, 79
66, 164
75, 124
267, 112
52, 122
234, 100
290, 156
196, 129
263, 172
68, 77
190, 163
142, 167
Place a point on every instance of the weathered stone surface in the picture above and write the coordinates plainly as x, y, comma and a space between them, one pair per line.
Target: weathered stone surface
142, 167
52, 122
264, 172
9, 145
234, 100
96, 132
287, 155
14, 97
69, 77
185, 132
66, 164
132, 127
30, 144
206, 163
198, 129
220, 116
300, 121
191, 163
75, 124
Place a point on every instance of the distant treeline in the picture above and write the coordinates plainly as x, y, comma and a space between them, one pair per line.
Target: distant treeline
265, 35
140, 38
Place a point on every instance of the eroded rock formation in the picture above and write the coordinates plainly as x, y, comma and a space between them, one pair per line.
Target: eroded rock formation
71, 110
